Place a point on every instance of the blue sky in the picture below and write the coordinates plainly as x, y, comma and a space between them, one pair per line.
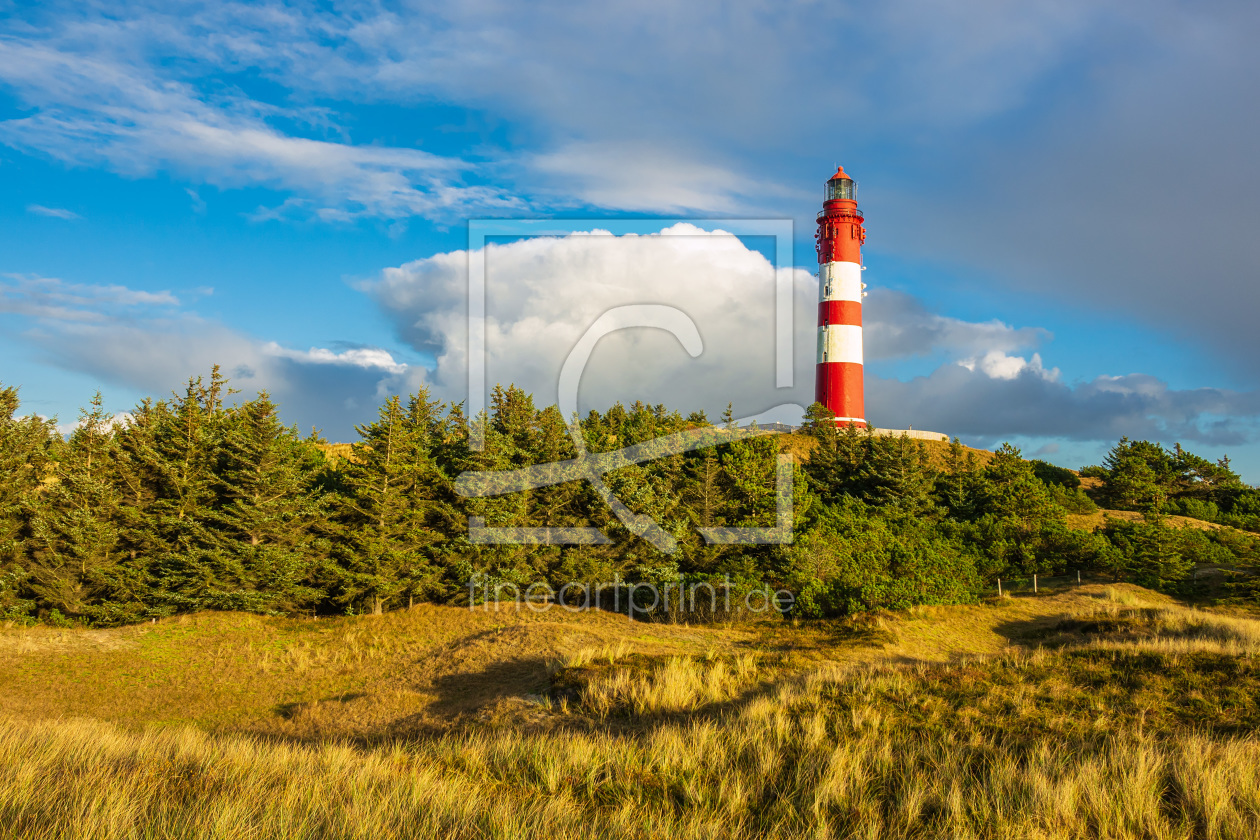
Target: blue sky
1061, 200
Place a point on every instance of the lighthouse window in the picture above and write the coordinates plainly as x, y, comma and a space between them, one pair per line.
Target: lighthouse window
841, 188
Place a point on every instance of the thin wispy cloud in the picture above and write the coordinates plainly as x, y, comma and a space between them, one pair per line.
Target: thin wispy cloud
52, 299
93, 110
198, 203
623, 110
52, 212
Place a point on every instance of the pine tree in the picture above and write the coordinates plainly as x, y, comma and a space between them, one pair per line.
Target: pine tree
652, 488
748, 468
1199, 478
75, 542
1012, 491
26, 448
138, 475
394, 504
566, 504
819, 420
512, 414
1140, 475
184, 561
703, 493
1148, 553
267, 516
454, 456
958, 486
896, 475
431, 493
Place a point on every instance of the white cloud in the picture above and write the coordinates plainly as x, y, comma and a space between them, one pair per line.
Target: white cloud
198, 203
985, 409
543, 293
317, 387
50, 298
623, 105
368, 358
997, 365
52, 212
642, 176
96, 110
899, 326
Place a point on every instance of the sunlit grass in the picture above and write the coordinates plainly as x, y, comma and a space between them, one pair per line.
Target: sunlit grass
825, 756
1117, 715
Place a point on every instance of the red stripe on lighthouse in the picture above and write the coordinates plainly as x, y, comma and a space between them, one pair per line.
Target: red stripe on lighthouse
839, 312
839, 387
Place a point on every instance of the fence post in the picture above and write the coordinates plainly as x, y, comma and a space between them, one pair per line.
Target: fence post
1034, 584
999, 587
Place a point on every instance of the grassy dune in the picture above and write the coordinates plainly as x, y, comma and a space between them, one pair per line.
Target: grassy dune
1102, 713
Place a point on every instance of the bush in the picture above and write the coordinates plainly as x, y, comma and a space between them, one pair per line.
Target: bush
852, 560
1052, 475
1199, 509
1073, 501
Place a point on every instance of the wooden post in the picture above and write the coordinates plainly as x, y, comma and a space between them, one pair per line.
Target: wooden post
999, 587
1034, 584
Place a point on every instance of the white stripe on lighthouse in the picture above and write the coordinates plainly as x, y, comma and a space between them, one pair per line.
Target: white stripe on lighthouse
840, 343
840, 281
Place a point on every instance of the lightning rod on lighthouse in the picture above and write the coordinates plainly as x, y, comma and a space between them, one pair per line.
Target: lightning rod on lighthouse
839, 243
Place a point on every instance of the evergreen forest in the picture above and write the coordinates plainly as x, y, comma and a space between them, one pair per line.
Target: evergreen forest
205, 502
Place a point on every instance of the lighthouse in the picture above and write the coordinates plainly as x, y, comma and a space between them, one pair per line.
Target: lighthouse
840, 235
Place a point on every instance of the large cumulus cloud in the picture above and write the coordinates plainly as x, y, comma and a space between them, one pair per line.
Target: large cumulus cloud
543, 293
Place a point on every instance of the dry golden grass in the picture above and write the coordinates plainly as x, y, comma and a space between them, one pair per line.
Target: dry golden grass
1158, 624
1097, 519
361, 676
1106, 712
335, 452
796, 763
679, 684
800, 445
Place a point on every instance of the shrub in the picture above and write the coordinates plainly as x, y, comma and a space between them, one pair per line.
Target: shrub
1052, 474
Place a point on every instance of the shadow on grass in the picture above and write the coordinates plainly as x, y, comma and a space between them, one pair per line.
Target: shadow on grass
468, 691
289, 711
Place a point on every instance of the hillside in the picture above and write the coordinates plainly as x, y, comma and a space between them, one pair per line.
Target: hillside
433, 667
1027, 717
800, 445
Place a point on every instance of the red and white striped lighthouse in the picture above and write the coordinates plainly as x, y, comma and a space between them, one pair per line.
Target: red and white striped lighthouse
839, 243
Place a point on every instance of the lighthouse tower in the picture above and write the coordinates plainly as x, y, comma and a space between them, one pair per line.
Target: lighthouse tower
839, 242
